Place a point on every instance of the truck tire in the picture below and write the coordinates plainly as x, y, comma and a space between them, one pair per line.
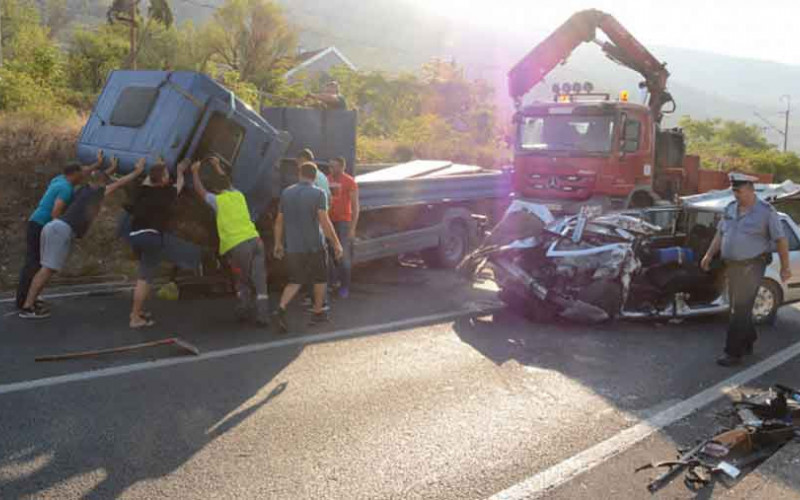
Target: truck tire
768, 300
640, 199
453, 246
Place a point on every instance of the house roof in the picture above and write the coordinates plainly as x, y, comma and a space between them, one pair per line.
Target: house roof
306, 55
308, 58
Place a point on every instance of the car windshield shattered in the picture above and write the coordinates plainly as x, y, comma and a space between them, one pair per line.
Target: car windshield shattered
588, 134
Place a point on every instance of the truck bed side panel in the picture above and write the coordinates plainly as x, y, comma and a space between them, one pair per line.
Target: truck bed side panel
405, 192
328, 133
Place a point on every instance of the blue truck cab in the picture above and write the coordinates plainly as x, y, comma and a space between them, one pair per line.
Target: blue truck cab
185, 114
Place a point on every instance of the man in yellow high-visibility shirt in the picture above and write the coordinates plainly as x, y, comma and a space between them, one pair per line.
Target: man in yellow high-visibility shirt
239, 241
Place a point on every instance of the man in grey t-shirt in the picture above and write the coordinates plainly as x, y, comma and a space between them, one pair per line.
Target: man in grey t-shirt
747, 234
304, 217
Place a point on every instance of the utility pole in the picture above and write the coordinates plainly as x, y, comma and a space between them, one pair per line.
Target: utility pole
786, 123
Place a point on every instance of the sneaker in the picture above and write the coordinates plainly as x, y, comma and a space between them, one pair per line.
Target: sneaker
283, 320
262, 322
344, 293
40, 304
325, 308
242, 314
319, 318
727, 360
33, 313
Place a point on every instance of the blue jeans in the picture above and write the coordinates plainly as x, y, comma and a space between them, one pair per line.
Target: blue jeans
340, 271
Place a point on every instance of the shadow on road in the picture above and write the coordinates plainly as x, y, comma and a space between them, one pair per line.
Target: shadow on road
111, 435
131, 429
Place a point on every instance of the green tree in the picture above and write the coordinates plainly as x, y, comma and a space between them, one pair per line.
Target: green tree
245, 91
58, 16
731, 145
722, 138
32, 78
94, 54
249, 37
160, 11
17, 14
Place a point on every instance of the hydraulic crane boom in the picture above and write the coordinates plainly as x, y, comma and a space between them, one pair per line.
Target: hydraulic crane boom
622, 47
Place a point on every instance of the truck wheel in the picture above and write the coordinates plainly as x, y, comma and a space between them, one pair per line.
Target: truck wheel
768, 300
640, 200
453, 246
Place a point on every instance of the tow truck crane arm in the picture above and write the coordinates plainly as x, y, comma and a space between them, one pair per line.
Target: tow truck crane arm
622, 48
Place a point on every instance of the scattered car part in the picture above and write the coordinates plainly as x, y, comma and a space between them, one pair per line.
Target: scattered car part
182, 344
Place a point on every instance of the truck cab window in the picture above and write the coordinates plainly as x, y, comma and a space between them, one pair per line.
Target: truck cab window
633, 130
133, 106
223, 138
794, 243
582, 133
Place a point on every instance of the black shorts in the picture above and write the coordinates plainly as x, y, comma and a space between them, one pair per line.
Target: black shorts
308, 268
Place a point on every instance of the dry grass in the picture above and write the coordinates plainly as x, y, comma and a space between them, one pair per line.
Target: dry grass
32, 151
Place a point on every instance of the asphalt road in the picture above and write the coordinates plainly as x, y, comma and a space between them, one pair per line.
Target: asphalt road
421, 408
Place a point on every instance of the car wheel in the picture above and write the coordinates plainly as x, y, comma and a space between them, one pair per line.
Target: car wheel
530, 309
768, 300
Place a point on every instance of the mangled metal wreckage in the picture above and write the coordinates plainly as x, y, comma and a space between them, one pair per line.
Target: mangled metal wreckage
592, 268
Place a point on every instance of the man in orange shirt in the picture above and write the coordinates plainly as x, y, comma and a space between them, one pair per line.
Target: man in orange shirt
344, 215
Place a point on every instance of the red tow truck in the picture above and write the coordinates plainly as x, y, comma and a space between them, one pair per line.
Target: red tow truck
587, 149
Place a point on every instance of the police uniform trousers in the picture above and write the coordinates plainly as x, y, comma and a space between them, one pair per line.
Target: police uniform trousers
744, 279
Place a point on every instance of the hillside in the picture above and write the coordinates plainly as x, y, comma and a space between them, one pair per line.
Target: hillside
394, 36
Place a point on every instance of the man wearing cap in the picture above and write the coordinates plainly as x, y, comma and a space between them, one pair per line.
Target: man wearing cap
747, 235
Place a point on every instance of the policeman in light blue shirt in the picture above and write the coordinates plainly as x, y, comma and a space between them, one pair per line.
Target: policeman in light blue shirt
750, 230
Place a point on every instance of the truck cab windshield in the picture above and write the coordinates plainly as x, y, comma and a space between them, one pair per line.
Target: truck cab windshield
570, 133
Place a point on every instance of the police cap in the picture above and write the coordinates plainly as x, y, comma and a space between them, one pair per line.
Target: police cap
738, 180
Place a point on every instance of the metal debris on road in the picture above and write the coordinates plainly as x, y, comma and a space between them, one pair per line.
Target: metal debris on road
181, 344
768, 421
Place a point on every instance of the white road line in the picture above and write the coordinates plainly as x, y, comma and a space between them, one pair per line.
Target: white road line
542, 482
84, 293
247, 349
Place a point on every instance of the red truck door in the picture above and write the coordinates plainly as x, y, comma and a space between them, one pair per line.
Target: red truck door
634, 156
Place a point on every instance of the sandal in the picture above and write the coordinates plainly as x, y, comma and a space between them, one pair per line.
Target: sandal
143, 322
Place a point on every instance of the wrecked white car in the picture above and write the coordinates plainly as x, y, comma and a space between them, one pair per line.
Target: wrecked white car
642, 265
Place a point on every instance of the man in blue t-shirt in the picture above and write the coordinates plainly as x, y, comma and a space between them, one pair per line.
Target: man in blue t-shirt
54, 202
59, 234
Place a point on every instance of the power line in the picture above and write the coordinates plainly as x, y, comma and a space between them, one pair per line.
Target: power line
768, 123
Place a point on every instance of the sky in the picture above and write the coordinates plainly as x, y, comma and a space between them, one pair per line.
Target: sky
765, 29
